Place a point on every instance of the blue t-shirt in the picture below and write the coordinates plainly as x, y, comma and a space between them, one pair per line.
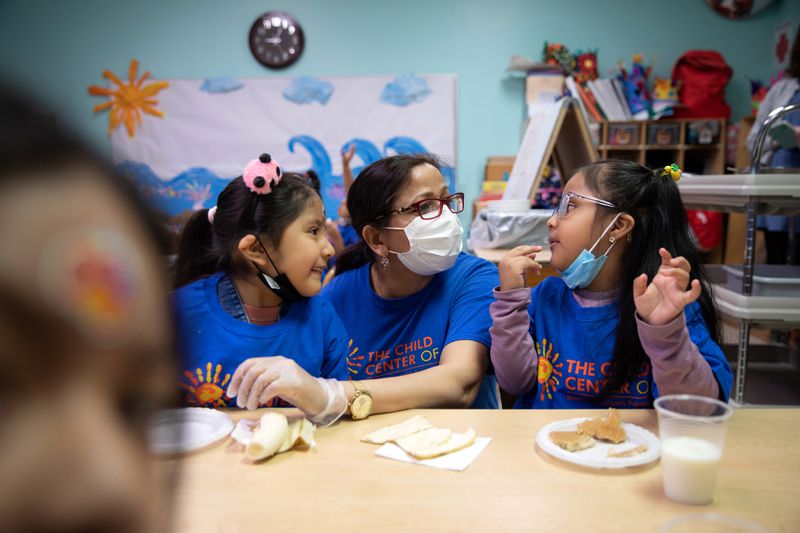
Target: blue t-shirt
575, 346
214, 343
393, 337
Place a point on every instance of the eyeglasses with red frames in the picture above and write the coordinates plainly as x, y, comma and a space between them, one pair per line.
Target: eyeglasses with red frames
431, 208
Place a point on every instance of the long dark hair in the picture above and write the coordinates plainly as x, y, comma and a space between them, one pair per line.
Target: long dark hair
794, 60
655, 204
371, 197
205, 248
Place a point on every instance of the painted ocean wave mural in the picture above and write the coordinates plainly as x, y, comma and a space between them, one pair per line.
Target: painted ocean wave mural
198, 187
305, 90
405, 90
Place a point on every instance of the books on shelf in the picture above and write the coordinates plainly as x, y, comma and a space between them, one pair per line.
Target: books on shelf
585, 100
606, 97
619, 92
602, 99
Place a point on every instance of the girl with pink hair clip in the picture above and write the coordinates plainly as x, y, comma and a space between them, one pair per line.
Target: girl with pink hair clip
250, 331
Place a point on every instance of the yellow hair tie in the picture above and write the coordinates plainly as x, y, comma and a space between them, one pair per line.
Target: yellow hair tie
673, 171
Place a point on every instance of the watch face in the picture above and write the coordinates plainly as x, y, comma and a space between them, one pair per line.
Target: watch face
276, 39
361, 406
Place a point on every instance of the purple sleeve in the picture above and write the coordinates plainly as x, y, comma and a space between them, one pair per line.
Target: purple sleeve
513, 357
678, 365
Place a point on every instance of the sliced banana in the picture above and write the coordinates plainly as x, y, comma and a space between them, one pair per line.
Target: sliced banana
301, 431
272, 432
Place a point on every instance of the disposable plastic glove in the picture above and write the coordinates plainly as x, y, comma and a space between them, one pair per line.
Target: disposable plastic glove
259, 379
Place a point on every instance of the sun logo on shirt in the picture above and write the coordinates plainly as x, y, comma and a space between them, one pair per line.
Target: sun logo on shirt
205, 390
548, 369
354, 362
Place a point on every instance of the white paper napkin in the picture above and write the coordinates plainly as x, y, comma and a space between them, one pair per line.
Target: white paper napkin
459, 460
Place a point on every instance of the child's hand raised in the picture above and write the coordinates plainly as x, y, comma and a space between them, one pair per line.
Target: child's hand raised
347, 155
515, 264
666, 296
334, 236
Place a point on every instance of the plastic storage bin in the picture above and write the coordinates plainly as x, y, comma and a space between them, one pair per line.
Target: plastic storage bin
702, 132
623, 134
768, 280
491, 229
663, 134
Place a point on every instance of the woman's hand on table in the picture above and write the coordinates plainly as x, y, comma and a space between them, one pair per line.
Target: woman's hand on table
259, 379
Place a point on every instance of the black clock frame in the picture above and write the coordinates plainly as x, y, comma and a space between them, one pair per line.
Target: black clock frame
253, 43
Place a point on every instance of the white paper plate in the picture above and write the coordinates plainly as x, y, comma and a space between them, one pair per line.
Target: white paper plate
176, 431
597, 456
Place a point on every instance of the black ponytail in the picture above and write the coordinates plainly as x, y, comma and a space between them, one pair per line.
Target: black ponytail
654, 202
371, 197
193, 261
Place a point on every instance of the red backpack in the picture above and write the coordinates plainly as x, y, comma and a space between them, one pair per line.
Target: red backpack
701, 76
705, 229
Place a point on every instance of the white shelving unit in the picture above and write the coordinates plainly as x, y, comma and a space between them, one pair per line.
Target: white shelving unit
754, 194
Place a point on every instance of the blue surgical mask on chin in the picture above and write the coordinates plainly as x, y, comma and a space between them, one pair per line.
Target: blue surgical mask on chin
586, 266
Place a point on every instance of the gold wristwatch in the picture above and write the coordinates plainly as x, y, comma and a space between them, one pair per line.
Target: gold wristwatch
361, 404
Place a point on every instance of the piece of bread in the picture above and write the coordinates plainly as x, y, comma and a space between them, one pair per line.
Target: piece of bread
608, 428
396, 431
431, 445
572, 441
425, 439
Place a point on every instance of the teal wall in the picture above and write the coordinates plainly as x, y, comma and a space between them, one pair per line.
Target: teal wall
60, 47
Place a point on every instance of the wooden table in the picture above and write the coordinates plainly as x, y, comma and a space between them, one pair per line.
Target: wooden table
512, 486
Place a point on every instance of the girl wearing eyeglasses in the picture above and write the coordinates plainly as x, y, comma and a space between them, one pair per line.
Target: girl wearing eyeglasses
631, 316
416, 307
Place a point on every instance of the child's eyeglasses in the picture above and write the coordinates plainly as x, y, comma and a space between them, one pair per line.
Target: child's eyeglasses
563, 207
431, 208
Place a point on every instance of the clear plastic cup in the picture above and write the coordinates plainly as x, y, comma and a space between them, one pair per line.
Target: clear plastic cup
692, 431
712, 523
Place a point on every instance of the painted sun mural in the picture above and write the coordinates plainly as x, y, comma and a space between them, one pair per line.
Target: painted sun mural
128, 100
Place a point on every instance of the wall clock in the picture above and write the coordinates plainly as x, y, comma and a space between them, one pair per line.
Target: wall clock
276, 39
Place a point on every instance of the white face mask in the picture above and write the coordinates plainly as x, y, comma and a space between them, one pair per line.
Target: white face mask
434, 244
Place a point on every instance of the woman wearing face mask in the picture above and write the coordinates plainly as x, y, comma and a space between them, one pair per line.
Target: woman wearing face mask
416, 308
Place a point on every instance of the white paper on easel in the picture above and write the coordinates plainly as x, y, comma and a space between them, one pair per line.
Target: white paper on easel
530, 162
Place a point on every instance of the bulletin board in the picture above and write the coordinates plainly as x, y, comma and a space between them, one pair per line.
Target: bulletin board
212, 128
